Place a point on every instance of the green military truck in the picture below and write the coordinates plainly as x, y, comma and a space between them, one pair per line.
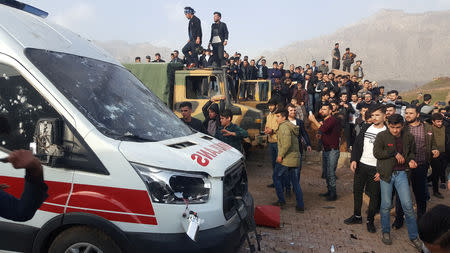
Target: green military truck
174, 85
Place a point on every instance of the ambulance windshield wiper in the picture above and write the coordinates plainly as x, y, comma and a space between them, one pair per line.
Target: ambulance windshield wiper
134, 137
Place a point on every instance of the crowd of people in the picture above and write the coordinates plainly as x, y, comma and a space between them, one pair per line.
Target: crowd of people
392, 142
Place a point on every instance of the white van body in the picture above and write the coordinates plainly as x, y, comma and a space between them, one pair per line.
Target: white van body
108, 190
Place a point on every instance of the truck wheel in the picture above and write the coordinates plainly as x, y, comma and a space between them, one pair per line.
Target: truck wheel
83, 239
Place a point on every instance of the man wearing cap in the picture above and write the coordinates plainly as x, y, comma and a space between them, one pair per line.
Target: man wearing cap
219, 39
195, 37
336, 55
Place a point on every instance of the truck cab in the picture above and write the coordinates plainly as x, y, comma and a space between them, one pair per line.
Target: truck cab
174, 85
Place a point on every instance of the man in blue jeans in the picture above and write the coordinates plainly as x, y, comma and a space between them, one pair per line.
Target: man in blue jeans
288, 159
330, 130
270, 130
394, 150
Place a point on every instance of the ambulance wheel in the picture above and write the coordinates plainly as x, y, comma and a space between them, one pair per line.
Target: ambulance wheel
83, 239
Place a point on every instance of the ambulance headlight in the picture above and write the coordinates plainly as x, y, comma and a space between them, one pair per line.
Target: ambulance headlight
172, 187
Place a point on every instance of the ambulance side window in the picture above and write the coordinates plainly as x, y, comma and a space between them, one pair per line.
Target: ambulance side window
22, 106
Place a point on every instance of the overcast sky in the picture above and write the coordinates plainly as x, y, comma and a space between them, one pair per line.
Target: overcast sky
254, 26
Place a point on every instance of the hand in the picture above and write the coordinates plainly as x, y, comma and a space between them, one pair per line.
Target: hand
345, 105
400, 158
309, 148
435, 153
225, 43
279, 159
261, 57
353, 166
227, 133
197, 41
376, 178
188, 41
24, 159
412, 164
312, 118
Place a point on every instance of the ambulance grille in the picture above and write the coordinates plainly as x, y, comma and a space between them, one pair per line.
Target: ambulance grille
234, 184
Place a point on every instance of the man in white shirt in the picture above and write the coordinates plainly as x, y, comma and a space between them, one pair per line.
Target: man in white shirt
363, 164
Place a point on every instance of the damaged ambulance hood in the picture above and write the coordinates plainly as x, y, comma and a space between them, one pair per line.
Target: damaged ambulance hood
194, 153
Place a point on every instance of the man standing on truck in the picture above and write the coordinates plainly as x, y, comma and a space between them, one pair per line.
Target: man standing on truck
219, 39
230, 133
186, 113
195, 38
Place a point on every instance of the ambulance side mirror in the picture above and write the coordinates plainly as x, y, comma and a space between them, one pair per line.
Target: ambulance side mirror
48, 140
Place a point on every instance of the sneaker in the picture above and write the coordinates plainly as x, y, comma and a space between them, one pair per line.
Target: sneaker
353, 220
386, 239
397, 224
438, 195
271, 185
282, 205
371, 227
417, 244
299, 209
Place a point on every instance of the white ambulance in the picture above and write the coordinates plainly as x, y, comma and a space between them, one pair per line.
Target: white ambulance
124, 174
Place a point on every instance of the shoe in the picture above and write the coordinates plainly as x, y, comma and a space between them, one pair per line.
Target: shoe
371, 227
332, 197
417, 244
443, 186
353, 220
326, 194
438, 195
386, 239
299, 209
271, 185
282, 205
397, 224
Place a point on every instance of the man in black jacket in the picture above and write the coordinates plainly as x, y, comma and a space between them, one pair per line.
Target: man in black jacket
219, 39
363, 165
195, 37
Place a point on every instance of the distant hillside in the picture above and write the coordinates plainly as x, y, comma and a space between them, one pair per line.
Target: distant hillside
439, 90
126, 52
399, 50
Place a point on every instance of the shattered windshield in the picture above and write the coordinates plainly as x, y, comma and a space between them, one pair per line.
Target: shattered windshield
112, 98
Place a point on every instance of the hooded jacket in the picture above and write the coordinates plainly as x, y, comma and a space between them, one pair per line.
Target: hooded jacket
215, 107
288, 147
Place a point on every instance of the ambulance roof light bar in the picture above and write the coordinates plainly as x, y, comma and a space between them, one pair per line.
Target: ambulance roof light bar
25, 7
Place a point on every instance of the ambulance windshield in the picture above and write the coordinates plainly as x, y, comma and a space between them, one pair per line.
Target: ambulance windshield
112, 98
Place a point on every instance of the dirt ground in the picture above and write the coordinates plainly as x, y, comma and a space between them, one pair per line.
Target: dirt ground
322, 223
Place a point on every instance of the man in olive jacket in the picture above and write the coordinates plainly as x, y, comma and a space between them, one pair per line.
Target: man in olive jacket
395, 150
288, 158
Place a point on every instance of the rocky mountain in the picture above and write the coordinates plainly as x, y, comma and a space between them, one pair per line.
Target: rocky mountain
126, 52
400, 50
